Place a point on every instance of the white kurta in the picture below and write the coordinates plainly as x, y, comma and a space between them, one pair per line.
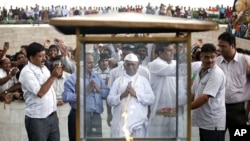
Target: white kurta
9, 83
163, 82
119, 71
136, 108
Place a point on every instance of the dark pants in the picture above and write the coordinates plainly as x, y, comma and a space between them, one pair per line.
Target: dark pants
42, 129
36, 19
72, 125
222, 16
93, 124
235, 117
212, 135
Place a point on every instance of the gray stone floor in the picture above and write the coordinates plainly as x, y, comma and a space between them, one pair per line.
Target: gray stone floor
12, 123
194, 135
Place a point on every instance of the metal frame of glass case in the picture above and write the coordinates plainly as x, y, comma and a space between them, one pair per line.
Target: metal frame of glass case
100, 29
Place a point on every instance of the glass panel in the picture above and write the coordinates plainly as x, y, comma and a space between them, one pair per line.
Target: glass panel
145, 92
181, 58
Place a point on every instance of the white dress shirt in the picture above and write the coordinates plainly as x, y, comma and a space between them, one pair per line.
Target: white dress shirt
32, 78
236, 75
9, 83
58, 85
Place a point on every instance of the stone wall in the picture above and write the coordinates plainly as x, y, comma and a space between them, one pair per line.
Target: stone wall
19, 35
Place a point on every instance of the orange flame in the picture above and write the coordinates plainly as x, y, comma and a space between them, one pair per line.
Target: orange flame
125, 129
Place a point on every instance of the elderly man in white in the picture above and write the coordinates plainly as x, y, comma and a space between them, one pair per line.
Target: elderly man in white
130, 96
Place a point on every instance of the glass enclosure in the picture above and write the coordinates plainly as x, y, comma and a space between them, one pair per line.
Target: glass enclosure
149, 91
161, 116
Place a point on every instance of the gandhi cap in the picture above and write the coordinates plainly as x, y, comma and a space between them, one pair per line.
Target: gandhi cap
131, 57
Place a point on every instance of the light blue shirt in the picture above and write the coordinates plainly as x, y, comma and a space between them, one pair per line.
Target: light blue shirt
69, 93
94, 100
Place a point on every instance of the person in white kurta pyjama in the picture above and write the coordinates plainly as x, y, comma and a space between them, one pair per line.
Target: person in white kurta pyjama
120, 70
163, 82
130, 93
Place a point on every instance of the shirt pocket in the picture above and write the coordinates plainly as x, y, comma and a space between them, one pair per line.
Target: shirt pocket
239, 80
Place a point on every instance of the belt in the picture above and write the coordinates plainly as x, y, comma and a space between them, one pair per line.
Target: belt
43, 118
166, 112
93, 113
235, 104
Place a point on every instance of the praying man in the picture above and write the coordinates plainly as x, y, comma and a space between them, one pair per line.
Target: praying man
130, 96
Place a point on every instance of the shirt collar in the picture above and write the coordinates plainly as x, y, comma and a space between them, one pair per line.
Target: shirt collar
236, 58
208, 70
98, 70
130, 75
31, 65
92, 75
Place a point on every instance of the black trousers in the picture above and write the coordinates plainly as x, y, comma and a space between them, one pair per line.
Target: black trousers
212, 135
235, 117
72, 125
43, 129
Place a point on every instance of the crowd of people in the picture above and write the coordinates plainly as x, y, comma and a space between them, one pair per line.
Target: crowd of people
45, 13
41, 14
236, 19
139, 84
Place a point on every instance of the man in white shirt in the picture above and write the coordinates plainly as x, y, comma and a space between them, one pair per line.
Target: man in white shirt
163, 116
208, 105
236, 68
116, 51
103, 68
8, 81
41, 119
143, 53
130, 96
64, 11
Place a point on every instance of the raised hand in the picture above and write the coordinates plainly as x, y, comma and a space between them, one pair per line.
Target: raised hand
47, 43
14, 71
62, 47
57, 71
